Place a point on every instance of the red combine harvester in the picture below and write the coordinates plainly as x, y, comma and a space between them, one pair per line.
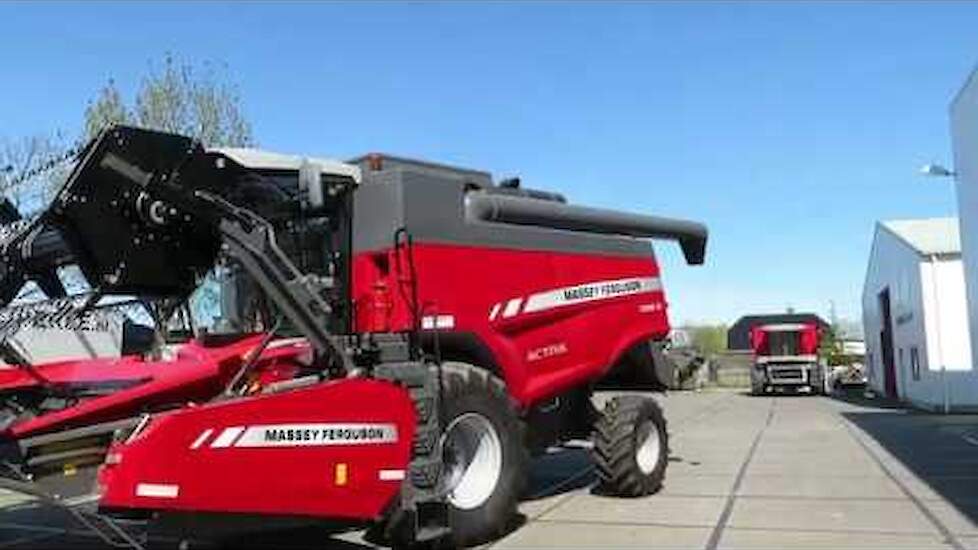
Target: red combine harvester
450, 327
786, 358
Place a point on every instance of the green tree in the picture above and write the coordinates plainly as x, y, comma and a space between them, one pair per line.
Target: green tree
830, 346
708, 339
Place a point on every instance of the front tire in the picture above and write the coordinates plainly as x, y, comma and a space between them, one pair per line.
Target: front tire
485, 456
631, 447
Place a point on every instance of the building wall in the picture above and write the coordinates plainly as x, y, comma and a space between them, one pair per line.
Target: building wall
964, 140
892, 265
914, 311
948, 361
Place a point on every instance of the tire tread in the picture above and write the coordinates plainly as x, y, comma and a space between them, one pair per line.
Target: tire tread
614, 447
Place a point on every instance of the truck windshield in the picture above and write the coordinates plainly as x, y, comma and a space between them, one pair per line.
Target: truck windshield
783, 343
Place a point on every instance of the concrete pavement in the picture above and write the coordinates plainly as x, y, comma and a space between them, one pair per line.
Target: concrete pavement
745, 472
784, 471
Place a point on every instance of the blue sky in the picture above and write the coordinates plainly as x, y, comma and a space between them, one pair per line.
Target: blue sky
787, 128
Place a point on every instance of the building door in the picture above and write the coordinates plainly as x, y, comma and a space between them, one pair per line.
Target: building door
886, 344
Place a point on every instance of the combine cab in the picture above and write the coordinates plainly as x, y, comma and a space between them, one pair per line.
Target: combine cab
417, 332
786, 358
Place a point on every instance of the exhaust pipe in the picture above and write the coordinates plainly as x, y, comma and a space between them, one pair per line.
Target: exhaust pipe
499, 208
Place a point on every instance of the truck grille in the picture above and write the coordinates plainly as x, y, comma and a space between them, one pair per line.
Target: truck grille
783, 375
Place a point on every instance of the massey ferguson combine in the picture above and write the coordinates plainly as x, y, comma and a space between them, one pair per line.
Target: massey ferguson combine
412, 334
786, 358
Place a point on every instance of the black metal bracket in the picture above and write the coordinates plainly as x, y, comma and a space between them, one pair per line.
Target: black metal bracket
250, 240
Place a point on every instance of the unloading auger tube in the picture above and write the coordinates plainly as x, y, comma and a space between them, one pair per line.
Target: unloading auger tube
501, 208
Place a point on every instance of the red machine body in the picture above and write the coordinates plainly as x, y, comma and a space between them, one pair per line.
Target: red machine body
548, 330
337, 449
392, 270
124, 387
548, 310
551, 320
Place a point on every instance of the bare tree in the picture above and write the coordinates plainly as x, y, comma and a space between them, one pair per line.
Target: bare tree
105, 110
174, 98
177, 98
29, 170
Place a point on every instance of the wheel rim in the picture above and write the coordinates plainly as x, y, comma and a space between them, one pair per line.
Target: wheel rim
473, 458
648, 450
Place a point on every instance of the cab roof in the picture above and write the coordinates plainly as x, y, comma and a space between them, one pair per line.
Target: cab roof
257, 159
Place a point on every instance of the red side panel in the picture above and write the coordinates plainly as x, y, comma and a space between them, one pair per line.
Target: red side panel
809, 340
806, 335
758, 341
197, 373
338, 450
552, 320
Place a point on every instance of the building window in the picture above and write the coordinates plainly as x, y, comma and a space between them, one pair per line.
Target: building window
903, 367
915, 363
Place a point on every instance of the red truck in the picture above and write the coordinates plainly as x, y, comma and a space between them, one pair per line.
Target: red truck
786, 357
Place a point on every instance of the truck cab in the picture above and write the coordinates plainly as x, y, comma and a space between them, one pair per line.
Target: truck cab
786, 358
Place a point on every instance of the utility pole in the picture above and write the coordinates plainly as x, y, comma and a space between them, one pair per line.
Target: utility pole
936, 170
937, 327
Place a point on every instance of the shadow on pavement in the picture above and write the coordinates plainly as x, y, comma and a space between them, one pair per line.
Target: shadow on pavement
558, 472
935, 448
41, 527
857, 396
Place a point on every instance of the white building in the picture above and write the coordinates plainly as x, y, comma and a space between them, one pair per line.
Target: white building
964, 138
915, 317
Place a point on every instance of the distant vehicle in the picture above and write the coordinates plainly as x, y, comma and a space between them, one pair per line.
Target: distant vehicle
844, 376
786, 358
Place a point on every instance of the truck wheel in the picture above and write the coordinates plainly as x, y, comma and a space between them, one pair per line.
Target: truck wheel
485, 459
631, 447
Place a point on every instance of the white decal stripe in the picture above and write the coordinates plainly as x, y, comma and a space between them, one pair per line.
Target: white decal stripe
391, 475
651, 308
441, 321
445, 321
201, 438
157, 490
227, 437
308, 435
512, 307
495, 311
589, 292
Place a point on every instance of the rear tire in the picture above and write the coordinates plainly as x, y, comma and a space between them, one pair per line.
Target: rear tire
481, 428
631, 447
